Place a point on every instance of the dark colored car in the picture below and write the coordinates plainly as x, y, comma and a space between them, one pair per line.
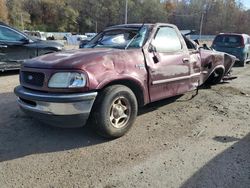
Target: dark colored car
123, 67
16, 46
234, 44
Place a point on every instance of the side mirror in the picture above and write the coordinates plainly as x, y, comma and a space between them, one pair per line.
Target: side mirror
152, 47
26, 41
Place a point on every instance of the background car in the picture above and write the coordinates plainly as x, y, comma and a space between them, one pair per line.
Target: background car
16, 46
234, 44
36, 34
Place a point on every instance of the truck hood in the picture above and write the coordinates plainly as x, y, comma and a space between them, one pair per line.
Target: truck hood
71, 59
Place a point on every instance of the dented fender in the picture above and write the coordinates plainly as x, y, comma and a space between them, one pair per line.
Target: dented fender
212, 61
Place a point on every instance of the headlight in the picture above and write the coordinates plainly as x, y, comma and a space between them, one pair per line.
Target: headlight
67, 80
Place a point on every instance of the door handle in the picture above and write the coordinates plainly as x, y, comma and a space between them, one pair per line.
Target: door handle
185, 60
3, 46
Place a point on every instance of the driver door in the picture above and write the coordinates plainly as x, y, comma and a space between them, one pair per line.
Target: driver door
168, 64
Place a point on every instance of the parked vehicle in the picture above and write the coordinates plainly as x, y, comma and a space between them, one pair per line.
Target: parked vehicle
123, 67
75, 39
50, 36
16, 46
67, 35
90, 35
36, 34
235, 44
81, 37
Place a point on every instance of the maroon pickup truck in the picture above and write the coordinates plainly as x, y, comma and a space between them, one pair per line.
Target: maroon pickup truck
122, 68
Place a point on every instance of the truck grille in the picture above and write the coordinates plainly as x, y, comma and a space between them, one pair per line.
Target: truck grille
33, 78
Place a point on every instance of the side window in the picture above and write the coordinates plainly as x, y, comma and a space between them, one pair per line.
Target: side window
190, 45
9, 35
167, 40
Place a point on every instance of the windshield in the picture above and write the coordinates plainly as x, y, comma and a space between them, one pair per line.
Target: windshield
121, 38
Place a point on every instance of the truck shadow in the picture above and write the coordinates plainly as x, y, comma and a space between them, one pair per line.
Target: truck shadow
158, 104
209, 86
237, 64
21, 136
231, 168
9, 73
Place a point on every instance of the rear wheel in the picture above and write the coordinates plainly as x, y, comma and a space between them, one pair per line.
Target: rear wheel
215, 77
114, 111
243, 63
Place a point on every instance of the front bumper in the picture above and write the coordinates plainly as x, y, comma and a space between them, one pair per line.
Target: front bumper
61, 110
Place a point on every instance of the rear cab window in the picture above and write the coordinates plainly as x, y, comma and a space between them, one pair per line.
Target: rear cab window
190, 44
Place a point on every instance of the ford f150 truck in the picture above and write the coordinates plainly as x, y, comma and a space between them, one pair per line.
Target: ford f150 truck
122, 68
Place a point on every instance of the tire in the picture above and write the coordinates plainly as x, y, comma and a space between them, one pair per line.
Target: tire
114, 111
215, 77
247, 59
242, 63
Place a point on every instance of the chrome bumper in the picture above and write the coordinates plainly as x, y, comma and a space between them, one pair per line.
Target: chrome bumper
51, 108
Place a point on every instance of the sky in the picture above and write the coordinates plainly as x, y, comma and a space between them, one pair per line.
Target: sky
246, 3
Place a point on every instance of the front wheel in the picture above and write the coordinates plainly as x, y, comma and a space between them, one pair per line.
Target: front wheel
114, 111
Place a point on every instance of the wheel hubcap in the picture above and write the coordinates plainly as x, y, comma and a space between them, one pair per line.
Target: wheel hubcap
120, 112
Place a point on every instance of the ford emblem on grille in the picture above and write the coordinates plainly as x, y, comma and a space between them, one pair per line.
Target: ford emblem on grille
30, 77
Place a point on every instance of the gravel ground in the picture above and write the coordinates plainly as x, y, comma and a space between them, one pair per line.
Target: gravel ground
179, 142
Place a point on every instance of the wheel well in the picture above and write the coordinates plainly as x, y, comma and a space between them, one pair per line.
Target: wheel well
216, 76
219, 71
137, 90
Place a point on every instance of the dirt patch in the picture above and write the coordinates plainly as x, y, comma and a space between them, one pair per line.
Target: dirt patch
185, 141
231, 91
